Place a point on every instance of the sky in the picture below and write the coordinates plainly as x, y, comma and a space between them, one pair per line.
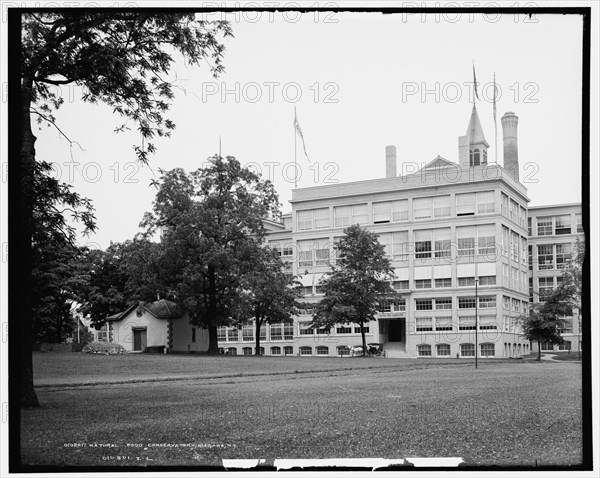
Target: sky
359, 82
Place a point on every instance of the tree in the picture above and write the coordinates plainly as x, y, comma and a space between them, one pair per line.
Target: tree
358, 284
212, 224
120, 59
119, 276
268, 293
540, 326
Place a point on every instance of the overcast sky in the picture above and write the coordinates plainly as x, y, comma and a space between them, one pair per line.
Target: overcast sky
359, 81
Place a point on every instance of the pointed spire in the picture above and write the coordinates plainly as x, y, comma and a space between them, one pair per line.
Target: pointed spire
475, 131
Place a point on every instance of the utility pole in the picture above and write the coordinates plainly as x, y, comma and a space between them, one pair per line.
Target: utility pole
476, 318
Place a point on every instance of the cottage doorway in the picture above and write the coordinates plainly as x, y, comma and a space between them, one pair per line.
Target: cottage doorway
139, 339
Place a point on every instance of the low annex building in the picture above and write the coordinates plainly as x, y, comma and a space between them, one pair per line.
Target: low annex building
160, 324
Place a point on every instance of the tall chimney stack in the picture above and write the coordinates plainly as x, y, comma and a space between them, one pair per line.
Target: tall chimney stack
511, 153
390, 162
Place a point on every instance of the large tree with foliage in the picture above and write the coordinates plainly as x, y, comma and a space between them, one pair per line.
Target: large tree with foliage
540, 326
268, 294
359, 282
212, 224
122, 59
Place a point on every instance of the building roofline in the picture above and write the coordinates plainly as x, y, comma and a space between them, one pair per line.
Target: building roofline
571, 204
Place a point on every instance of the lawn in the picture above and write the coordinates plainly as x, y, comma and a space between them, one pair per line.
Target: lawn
200, 410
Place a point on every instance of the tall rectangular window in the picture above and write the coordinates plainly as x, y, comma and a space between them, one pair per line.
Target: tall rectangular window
359, 214
345, 216
522, 216
321, 218
465, 237
465, 204
504, 204
545, 257
562, 225
400, 210
514, 211
441, 206
563, 253
486, 239
423, 244
545, 286
514, 246
579, 220
529, 226
381, 212
386, 241
442, 242
305, 220
305, 253
422, 208
544, 226
400, 246
322, 252
485, 202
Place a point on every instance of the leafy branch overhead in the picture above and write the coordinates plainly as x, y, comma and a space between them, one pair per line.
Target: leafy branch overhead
122, 59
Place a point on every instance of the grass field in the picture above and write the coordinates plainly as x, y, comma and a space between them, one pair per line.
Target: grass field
134, 409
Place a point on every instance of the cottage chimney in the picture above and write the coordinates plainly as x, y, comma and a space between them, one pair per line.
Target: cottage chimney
511, 154
390, 162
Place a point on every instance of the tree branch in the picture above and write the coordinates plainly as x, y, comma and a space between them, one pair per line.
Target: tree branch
71, 142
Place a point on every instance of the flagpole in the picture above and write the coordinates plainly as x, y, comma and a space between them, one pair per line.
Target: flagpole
495, 125
295, 153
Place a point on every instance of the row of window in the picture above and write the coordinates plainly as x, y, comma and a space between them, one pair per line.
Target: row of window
485, 302
467, 204
514, 305
513, 278
513, 210
279, 332
466, 350
555, 225
340, 350
439, 324
550, 256
549, 346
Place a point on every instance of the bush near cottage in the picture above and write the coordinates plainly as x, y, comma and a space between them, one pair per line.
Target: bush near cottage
105, 348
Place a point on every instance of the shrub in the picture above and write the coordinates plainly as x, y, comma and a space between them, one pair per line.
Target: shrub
106, 348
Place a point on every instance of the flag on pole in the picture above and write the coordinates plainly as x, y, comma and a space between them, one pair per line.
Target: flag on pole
475, 83
299, 132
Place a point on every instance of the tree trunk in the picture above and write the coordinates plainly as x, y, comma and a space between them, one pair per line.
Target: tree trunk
213, 344
258, 324
539, 349
364, 338
27, 143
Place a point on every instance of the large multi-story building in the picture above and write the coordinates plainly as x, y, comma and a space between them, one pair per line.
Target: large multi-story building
553, 234
456, 233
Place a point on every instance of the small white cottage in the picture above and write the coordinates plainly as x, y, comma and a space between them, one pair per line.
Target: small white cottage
159, 324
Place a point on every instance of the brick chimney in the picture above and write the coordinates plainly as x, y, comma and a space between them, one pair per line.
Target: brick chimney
390, 162
510, 122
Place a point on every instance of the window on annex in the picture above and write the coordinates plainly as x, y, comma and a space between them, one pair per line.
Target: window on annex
357, 329
443, 323
544, 226
247, 350
566, 345
467, 350
424, 324
232, 351
488, 350
305, 350
442, 350
424, 350
562, 225
289, 350
342, 350
545, 257
275, 350
261, 351
322, 350
343, 329
547, 346
424, 304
